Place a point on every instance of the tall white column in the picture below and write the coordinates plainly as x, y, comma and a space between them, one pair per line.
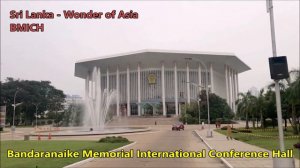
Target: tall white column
199, 77
237, 83
233, 90
226, 83
163, 88
230, 87
139, 89
107, 79
211, 77
99, 82
98, 96
128, 91
87, 86
188, 91
176, 88
93, 81
118, 90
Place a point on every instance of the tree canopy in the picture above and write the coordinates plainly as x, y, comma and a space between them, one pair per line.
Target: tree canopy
218, 108
264, 106
34, 95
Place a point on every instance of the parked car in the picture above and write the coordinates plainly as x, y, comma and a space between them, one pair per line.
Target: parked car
177, 127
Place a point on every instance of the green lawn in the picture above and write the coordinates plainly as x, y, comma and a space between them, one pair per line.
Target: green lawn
271, 131
267, 143
49, 146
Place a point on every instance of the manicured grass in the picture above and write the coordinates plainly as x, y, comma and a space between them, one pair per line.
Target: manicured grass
271, 131
49, 146
264, 142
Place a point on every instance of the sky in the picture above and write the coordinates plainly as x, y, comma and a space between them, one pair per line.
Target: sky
240, 27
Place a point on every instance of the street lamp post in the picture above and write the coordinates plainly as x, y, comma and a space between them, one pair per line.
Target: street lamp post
198, 100
15, 105
209, 132
199, 110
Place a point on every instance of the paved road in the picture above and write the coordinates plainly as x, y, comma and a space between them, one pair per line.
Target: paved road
162, 140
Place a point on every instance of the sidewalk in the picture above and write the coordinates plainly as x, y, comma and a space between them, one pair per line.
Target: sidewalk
220, 143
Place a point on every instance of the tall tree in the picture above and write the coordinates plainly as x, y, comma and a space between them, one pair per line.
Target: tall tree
245, 106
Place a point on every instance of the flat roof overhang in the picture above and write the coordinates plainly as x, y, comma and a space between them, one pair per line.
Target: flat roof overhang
154, 58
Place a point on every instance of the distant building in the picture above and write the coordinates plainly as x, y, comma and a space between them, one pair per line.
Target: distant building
72, 99
169, 78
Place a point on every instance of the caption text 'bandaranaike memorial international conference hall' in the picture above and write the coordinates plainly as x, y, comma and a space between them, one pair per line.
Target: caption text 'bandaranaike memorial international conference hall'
165, 80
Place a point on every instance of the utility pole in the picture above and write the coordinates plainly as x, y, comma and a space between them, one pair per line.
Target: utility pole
278, 162
277, 90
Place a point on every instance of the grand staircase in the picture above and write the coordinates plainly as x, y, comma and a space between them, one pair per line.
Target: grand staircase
134, 120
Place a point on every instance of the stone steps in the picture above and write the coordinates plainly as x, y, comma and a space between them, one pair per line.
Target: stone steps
133, 120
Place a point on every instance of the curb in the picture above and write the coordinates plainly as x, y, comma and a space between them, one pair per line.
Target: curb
227, 164
79, 163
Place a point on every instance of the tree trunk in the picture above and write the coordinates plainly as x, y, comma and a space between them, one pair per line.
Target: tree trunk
294, 121
253, 122
285, 124
290, 121
262, 125
247, 122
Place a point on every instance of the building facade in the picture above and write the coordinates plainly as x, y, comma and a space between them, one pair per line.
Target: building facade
165, 80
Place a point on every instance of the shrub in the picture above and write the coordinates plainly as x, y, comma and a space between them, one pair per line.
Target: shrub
225, 128
114, 139
227, 121
49, 122
245, 130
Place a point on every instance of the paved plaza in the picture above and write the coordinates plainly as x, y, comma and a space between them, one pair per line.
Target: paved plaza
162, 140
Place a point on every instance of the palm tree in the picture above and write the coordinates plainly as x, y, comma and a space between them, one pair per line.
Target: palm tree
260, 106
245, 106
292, 94
290, 87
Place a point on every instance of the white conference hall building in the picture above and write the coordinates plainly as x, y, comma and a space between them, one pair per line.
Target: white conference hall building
160, 78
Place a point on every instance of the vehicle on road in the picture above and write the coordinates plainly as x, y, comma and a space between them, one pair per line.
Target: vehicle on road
178, 126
